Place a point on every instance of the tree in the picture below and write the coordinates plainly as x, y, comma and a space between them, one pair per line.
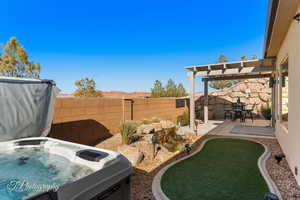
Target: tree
244, 58
254, 57
222, 58
86, 88
224, 83
14, 61
158, 89
180, 90
171, 89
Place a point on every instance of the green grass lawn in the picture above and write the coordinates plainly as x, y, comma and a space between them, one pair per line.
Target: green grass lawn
225, 169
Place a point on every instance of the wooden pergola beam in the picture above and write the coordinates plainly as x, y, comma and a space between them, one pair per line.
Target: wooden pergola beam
230, 65
236, 71
236, 77
225, 71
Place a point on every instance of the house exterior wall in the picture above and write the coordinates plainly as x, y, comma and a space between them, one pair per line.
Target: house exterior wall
289, 138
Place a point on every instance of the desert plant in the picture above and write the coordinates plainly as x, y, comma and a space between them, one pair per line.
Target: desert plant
155, 120
146, 121
169, 139
266, 111
86, 88
15, 62
184, 119
128, 130
150, 121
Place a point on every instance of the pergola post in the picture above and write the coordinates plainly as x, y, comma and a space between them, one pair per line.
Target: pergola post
191, 76
205, 102
273, 96
263, 68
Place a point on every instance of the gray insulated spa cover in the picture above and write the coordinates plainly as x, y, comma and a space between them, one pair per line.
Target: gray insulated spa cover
26, 107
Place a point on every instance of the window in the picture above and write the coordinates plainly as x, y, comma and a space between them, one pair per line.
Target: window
180, 103
284, 92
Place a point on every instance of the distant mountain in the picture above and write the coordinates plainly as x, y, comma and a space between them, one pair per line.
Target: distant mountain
117, 94
120, 94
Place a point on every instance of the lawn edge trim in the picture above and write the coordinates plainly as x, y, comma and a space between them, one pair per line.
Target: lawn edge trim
156, 184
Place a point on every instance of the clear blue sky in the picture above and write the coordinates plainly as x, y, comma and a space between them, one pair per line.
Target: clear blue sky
126, 45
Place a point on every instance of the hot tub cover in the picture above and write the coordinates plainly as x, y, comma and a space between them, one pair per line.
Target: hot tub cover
26, 107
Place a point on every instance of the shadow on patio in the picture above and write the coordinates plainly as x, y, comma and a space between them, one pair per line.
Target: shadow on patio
259, 128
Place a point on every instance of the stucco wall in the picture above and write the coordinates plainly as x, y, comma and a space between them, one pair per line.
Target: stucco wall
289, 139
90, 120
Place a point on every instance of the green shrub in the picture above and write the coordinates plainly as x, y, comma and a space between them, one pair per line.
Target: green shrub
150, 121
146, 121
155, 120
86, 88
128, 130
266, 111
184, 119
171, 89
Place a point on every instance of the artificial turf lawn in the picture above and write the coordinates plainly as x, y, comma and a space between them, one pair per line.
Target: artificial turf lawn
225, 169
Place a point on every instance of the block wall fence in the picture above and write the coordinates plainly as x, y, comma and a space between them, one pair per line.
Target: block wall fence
91, 120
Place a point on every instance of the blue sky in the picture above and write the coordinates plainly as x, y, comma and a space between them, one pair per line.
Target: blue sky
126, 45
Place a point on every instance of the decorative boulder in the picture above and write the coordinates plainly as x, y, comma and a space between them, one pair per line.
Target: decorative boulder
182, 131
148, 138
157, 126
145, 129
264, 97
167, 124
133, 154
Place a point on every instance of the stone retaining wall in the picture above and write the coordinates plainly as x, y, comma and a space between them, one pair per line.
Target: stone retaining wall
253, 92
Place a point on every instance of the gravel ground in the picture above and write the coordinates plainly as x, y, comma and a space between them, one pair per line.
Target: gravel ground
145, 171
281, 173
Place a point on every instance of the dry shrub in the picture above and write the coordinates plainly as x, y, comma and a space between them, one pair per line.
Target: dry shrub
128, 130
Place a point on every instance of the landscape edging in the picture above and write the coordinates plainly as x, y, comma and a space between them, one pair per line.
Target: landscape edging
160, 195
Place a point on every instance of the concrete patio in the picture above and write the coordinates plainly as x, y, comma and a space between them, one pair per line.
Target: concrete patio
259, 128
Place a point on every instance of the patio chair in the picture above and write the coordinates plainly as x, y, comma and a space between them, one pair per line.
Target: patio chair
228, 113
248, 113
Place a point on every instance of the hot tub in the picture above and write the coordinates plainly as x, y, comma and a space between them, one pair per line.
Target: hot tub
42, 168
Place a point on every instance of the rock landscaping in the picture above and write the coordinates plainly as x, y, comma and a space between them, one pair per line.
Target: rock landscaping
169, 139
253, 92
140, 151
146, 169
133, 154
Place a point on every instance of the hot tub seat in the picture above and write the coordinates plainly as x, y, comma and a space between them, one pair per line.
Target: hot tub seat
110, 179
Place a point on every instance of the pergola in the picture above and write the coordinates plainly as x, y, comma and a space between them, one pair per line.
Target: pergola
226, 71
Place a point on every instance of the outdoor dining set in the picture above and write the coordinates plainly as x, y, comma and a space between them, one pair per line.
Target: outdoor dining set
239, 110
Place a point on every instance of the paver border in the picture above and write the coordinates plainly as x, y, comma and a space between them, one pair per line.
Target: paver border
160, 195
